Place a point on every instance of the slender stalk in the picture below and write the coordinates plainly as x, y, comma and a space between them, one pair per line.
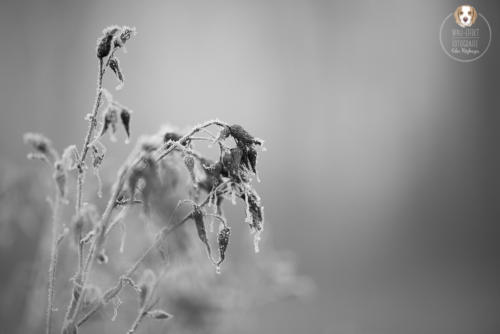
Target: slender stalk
79, 281
53, 262
90, 132
88, 137
169, 148
140, 315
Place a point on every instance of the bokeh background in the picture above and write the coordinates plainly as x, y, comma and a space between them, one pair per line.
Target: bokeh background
382, 170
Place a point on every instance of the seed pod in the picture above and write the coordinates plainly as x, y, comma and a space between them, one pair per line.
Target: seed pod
197, 216
256, 211
252, 159
242, 136
114, 64
189, 162
159, 314
110, 120
125, 118
104, 46
60, 178
41, 144
146, 286
97, 155
256, 220
104, 43
220, 200
102, 258
126, 34
223, 241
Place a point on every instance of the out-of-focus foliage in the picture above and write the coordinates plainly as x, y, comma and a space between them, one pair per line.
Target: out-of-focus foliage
200, 300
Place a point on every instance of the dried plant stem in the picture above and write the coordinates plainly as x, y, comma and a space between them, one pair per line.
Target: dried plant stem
88, 137
169, 148
80, 180
53, 261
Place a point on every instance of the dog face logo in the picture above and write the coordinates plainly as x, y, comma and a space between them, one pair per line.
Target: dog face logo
465, 16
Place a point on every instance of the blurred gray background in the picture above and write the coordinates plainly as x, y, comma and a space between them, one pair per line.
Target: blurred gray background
382, 173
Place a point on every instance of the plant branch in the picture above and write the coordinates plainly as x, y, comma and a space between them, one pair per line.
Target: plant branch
88, 137
167, 147
90, 132
160, 236
79, 278
53, 261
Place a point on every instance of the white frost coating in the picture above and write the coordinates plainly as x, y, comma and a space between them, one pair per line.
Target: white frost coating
256, 241
233, 197
99, 182
122, 240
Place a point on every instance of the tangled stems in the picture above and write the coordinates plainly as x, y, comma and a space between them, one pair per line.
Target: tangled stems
102, 228
167, 148
127, 276
230, 175
88, 137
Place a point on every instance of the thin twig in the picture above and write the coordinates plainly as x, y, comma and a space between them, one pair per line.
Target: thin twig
53, 261
90, 132
167, 147
140, 315
160, 236
88, 137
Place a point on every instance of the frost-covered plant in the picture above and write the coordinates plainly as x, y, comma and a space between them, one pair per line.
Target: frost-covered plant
140, 182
